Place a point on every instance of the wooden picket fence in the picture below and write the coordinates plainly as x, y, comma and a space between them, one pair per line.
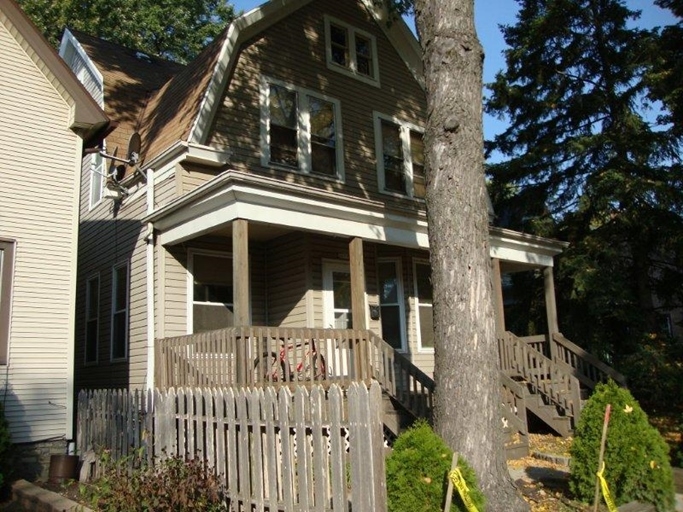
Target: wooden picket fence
273, 449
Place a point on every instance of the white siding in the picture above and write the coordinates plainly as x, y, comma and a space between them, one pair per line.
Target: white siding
38, 208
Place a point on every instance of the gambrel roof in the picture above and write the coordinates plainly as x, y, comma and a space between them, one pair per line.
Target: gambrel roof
169, 103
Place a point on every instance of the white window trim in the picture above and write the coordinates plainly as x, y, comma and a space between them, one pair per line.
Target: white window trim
97, 319
402, 299
97, 169
125, 265
404, 132
191, 253
416, 301
352, 69
303, 130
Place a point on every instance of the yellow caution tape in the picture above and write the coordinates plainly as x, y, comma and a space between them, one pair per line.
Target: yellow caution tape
605, 490
459, 482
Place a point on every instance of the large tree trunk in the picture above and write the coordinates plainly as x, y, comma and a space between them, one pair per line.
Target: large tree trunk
467, 405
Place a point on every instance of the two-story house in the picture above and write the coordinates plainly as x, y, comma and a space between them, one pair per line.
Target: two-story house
277, 180
47, 120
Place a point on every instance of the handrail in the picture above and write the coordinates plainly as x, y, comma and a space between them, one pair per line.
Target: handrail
544, 375
400, 378
587, 368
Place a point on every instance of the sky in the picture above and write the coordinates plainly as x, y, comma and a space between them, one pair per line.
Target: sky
489, 14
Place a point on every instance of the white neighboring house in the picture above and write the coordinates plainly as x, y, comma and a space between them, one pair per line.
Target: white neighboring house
47, 119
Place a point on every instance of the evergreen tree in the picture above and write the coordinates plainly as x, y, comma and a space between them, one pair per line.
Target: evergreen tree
174, 29
666, 78
587, 164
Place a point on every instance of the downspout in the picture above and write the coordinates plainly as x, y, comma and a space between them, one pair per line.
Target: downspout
150, 281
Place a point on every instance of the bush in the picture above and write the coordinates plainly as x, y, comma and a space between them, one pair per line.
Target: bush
5, 447
417, 472
174, 484
636, 456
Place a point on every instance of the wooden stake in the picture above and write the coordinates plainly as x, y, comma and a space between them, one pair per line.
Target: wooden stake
601, 456
449, 490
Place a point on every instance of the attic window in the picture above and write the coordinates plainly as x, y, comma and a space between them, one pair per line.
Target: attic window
300, 130
351, 51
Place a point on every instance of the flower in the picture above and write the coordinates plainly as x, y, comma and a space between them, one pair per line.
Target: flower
628, 409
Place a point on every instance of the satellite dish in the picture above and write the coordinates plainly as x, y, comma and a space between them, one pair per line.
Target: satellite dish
134, 144
133, 154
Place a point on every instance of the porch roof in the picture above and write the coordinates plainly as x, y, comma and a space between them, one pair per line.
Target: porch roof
238, 195
270, 202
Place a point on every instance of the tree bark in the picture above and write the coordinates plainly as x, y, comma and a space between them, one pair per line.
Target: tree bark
467, 404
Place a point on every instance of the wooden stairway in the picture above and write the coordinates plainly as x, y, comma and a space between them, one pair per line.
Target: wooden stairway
557, 377
408, 395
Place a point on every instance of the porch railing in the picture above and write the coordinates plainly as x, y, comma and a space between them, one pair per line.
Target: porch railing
254, 356
257, 356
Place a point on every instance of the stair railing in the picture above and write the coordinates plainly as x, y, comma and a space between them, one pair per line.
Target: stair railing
586, 367
400, 378
553, 379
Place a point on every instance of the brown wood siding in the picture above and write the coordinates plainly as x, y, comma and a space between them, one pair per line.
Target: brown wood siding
108, 237
38, 210
293, 51
164, 191
192, 176
175, 291
287, 263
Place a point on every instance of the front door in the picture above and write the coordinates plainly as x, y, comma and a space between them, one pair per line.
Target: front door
391, 301
336, 295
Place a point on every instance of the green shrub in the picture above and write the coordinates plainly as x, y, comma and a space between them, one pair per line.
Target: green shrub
5, 447
173, 484
417, 472
636, 456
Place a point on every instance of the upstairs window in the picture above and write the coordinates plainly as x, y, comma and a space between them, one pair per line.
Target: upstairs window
400, 157
300, 130
351, 51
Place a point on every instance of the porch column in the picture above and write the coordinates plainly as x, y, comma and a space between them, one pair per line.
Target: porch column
357, 269
240, 291
240, 272
550, 307
358, 314
498, 307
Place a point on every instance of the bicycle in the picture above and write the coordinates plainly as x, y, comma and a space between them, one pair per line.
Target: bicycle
275, 366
